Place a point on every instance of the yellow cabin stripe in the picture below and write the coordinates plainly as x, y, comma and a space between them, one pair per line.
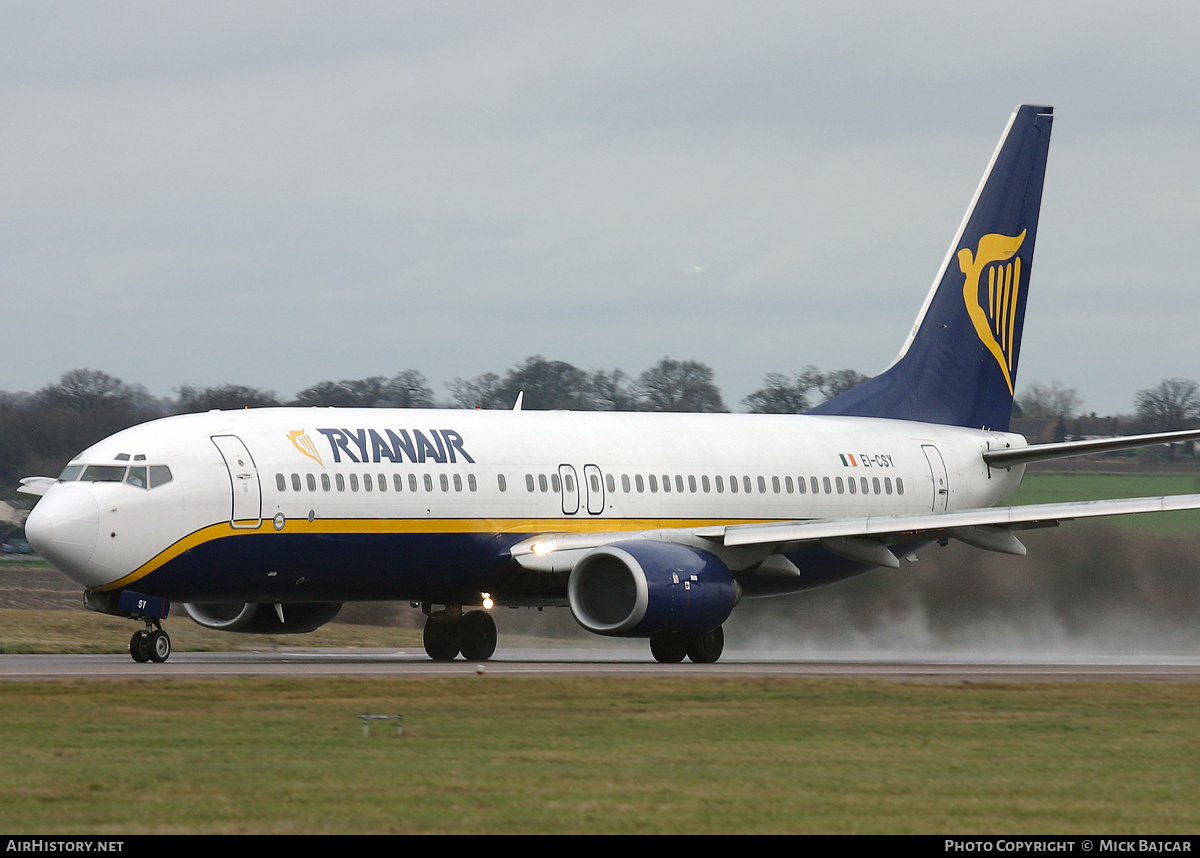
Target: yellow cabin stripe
428, 526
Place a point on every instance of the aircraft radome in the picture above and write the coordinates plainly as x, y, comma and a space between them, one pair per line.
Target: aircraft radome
645, 525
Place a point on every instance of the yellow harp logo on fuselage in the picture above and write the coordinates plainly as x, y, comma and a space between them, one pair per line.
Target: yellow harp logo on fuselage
994, 311
305, 445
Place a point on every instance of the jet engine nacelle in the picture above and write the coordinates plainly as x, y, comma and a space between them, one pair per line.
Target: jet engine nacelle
262, 617
639, 588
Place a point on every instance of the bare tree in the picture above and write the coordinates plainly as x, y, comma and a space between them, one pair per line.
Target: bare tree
225, 397
612, 391
675, 385
841, 380
783, 394
349, 393
1171, 404
1049, 400
477, 392
87, 389
409, 389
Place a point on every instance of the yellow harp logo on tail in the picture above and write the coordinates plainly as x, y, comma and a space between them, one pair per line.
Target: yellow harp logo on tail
993, 306
305, 445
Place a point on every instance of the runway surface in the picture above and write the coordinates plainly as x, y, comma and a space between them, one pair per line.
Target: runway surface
576, 662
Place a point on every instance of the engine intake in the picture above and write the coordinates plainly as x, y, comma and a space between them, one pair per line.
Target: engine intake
261, 617
639, 588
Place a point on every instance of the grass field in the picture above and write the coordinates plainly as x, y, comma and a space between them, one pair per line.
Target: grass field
1041, 487
488, 754
598, 755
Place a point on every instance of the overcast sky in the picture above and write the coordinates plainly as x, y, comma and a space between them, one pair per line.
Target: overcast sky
277, 194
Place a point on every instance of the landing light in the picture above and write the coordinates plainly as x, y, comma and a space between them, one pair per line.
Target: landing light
487, 601
542, 547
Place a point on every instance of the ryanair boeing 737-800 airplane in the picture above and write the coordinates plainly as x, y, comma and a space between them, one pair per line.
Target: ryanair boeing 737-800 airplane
646, 525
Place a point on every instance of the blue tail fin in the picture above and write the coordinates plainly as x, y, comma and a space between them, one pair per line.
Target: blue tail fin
959, 364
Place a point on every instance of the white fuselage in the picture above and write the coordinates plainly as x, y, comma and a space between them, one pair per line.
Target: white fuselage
390, 496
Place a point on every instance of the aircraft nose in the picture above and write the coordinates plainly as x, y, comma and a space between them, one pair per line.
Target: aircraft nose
62, 527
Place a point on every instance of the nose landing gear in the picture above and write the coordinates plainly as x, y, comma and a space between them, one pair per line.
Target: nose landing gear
150, 644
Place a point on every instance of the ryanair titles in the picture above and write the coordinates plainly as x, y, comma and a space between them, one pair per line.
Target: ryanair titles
444, 446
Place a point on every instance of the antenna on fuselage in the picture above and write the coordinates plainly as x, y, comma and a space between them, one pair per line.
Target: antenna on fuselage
520, 399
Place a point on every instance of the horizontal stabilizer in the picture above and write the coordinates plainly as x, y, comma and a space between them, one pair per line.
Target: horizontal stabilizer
36, 485
1011, 456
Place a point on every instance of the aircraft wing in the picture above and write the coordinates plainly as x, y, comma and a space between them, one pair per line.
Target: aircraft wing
862, 539
989, 528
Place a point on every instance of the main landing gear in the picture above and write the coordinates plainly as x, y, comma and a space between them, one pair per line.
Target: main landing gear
706, 648
150, 643
452, 631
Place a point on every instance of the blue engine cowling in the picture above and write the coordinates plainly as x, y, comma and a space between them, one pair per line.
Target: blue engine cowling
639, 588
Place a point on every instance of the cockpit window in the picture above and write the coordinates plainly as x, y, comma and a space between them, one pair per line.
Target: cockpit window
103, 474
159, 474
139, 476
